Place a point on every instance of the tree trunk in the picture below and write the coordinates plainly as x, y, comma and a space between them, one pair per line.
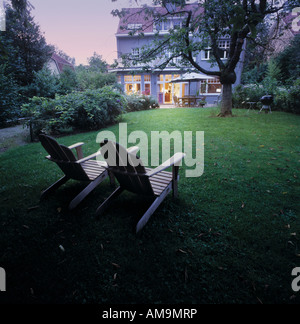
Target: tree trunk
226, 106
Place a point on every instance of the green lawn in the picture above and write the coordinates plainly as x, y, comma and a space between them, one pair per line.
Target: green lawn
231, 237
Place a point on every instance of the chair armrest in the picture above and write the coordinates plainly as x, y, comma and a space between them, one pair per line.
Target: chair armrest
133, 150
90, 157
75, 146
78, 148
174, 161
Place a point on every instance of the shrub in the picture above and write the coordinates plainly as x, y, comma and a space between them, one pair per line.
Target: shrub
288, 99
285, 98
244, 94
87, 110
94, 80
45, 84
138, 103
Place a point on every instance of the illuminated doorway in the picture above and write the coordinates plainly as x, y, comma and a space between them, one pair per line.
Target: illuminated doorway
167, 90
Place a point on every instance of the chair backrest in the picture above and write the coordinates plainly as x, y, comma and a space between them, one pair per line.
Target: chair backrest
63, 157
175, 99
127, 168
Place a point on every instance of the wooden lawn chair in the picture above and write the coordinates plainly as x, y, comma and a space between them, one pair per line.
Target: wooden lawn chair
81, 169
134, 177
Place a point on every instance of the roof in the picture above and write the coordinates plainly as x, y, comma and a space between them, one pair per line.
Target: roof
134, 18
61, 63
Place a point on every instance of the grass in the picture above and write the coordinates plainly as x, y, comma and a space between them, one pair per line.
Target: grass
231, 237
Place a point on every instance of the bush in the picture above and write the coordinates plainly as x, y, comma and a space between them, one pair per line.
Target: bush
138, 103
244, 94
288, 99
94, 80
87, 110
285, 98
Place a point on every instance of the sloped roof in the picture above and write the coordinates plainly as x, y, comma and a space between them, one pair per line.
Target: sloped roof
139, 16
61, 63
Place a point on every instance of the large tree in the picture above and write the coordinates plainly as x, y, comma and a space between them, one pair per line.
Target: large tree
23, 47
212, 20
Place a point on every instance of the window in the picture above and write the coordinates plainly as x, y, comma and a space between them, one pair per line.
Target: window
206, 54
132, 84
134, 26
135, 53
147, 78
211, 86
225, 45
169, 23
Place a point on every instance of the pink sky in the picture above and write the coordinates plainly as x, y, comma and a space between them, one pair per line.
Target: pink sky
80, 28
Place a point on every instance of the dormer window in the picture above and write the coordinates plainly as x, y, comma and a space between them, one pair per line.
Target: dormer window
169, 23
134, 26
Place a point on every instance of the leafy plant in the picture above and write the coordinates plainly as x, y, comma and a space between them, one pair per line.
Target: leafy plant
87, 110
138, 103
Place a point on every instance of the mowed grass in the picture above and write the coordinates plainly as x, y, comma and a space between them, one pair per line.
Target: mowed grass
232, 236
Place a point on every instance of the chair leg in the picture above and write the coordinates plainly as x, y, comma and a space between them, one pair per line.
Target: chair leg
157, 202
79, 198
175, 172
108, 201
54, 187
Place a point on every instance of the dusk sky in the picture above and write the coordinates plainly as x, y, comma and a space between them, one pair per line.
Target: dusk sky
80, 28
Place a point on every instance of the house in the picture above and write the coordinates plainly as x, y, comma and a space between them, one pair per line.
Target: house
57, 64
156, 83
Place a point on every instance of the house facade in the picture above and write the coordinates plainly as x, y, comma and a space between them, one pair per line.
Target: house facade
157, 82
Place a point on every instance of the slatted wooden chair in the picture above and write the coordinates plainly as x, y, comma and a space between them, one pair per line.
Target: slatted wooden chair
134, 177
81, 169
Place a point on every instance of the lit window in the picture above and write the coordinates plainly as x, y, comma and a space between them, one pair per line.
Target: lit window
128, 78
147, 78
137, 78
132, 84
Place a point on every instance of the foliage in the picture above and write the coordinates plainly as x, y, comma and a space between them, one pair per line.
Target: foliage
45, 84
87, 110
9, 97
255, 74
286, 98
249, 93
23, 52
272, 78
96, 63
289, 62
138, 103
68, 81
88, 79
30, 51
